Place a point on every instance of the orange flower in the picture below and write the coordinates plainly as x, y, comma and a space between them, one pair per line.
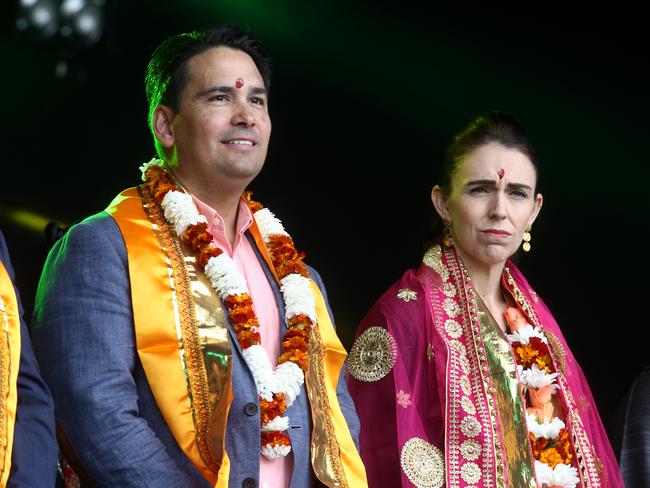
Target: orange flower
514, 318
274, 438
541, 396
551, 457
206, 253
300, 321
298, 357
538, 445
272, 409
294, 344
525, 354
564, 446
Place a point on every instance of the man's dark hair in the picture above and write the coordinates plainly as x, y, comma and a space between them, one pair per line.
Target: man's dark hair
167, 73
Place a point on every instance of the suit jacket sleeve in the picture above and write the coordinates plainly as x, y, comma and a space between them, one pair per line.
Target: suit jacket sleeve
345, 400
35, 451
84, 337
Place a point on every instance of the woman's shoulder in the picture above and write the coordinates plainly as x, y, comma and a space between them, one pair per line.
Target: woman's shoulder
400, 308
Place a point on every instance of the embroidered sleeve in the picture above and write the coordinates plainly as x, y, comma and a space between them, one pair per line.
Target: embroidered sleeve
372, 355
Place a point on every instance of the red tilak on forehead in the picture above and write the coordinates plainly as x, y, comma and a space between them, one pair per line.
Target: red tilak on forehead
501, 173
239, 82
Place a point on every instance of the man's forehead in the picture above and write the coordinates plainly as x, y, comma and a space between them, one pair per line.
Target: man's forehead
224, 66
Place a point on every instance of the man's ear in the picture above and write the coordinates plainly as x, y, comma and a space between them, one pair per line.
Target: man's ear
439, 200
163, 128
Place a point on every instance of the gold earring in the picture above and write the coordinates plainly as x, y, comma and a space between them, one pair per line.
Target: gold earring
526, 244
447, 236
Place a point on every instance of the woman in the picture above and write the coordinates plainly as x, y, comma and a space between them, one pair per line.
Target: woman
460, 374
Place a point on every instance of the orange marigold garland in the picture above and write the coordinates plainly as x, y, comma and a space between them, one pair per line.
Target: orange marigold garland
277, 388
548, 435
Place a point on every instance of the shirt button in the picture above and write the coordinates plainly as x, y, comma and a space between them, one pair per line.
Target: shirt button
249, 483
250, 409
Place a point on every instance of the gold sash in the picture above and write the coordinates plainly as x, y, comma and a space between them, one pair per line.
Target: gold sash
9, 362
184, 346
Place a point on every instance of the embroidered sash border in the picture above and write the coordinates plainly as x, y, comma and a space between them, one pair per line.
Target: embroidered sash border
167, 333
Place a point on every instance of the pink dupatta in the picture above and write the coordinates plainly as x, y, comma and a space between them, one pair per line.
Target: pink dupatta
419, 376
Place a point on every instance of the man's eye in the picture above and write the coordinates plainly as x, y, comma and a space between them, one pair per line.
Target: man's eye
258, 100
478, 189
519, 194
217, 98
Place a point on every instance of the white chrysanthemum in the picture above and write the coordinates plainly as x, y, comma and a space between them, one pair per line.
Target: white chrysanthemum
268, 224
180, 211
154, 162
298, 298
563, 475
535, 377
274, 452
546, 429
278, 424
264, 376
289, 378
524, 334
225, 277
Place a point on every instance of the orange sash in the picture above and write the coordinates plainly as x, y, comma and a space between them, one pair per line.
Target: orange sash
9, 362
164, 312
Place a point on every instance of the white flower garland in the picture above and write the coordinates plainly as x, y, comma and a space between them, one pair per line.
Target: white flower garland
287, 378
562, 475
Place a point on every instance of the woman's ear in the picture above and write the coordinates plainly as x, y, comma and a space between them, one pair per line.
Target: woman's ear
539, 200
439, 199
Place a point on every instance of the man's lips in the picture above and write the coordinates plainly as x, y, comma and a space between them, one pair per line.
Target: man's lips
239, 141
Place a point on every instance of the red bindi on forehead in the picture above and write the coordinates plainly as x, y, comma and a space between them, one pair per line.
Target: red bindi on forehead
501, 173
239, 83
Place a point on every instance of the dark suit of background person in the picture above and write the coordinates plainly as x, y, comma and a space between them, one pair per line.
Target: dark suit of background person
34, 450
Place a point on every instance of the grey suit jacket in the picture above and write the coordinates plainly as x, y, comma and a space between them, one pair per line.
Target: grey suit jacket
84, 339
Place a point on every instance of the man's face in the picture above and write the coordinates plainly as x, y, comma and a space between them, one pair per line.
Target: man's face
222, 128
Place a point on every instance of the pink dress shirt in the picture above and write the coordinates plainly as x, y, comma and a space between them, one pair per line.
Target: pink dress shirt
277, 472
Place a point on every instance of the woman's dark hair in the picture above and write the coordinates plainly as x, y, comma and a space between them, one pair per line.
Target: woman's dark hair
492, 127
167, 73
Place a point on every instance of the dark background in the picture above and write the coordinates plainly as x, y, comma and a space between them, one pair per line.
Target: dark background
364, 98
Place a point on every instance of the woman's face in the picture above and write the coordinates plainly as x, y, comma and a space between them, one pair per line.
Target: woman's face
490, 204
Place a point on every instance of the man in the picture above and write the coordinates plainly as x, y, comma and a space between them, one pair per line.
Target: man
160, 321
28, 449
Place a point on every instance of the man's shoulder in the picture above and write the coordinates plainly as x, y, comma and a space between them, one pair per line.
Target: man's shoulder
98, 232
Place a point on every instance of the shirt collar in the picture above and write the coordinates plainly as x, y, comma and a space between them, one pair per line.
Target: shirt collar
216, 225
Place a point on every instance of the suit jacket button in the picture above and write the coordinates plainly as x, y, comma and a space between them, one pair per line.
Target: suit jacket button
250, 409
249, 482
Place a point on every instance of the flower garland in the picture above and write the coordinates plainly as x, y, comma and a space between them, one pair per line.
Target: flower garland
548, 435
277, 388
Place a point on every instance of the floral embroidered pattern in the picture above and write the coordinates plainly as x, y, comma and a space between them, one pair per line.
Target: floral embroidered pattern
407, 295
404, 399
423, 463
372, 355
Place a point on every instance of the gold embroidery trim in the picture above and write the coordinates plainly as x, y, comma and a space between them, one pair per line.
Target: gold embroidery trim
423, 463
323, 440
5, 368
372, 355
189, 341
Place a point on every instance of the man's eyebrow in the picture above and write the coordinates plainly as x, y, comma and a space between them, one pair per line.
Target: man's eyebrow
256, 90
